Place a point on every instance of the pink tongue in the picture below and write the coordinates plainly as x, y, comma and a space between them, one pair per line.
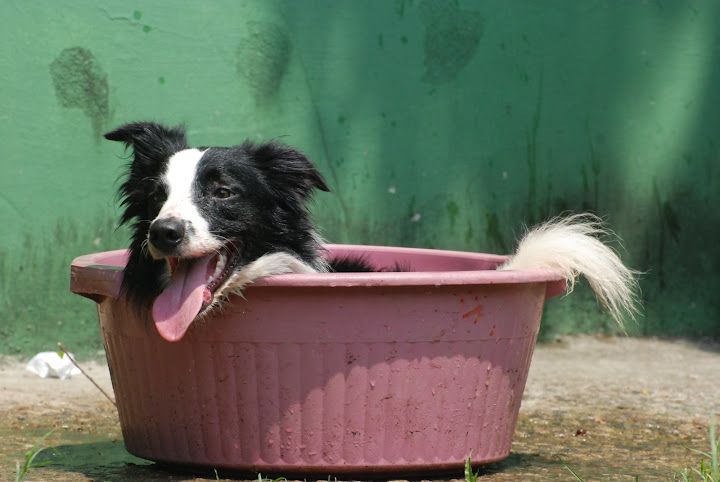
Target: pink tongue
176, 307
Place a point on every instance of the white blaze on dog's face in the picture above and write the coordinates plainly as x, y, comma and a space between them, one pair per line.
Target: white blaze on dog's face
179, 218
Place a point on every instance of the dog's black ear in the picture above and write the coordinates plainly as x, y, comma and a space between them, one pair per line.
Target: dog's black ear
287, 170
152, 144
150, 141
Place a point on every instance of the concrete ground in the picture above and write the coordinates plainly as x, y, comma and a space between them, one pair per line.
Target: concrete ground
611, 408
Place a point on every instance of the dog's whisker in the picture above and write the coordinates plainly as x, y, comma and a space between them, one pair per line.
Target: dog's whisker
145, 246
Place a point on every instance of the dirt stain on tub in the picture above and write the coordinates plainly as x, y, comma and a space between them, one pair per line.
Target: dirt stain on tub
476, 312
80, 82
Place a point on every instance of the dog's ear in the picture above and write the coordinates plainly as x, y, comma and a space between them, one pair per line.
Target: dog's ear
152, 144
150, 141
287, 170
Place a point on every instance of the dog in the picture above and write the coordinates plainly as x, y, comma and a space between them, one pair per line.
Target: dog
207, 221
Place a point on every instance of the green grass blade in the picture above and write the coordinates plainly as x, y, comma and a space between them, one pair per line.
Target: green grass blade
571, 470
470, 476
21, 471
715, 451
704, 454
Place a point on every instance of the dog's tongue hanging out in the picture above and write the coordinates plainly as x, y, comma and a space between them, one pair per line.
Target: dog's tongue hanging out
176, 307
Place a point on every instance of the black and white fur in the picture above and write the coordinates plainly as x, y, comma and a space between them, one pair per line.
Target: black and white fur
247, 204
243, 208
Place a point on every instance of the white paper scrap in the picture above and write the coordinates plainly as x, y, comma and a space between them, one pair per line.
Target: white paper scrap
52, 364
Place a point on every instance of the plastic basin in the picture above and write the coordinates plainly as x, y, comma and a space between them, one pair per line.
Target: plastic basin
366, 373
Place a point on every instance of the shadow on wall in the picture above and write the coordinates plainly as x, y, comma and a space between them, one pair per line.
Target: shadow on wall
495, 119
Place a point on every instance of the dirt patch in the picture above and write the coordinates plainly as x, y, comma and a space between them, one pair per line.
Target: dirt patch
612, 408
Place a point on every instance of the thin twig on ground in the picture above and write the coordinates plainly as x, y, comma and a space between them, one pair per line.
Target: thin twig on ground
86, 375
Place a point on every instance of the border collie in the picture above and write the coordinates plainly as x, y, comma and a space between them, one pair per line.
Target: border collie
207, 221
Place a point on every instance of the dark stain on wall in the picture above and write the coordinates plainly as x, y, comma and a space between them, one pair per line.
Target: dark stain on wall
532, 147
669, 224
262, 58
453, 210
80, 82
494, 233
451, 39
400, 7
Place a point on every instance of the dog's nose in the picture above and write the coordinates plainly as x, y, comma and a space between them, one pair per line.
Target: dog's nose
166, 234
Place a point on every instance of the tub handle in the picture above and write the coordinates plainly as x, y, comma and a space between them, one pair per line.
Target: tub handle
91, 288
95, 284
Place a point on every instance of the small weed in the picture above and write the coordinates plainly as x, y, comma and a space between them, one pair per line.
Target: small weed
570, 470
709, 470
22, 470
577, 477
470, 476
279, 479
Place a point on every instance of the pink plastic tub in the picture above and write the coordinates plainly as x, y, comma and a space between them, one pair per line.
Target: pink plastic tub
331, 373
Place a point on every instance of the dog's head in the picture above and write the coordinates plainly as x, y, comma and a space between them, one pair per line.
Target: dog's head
200, 213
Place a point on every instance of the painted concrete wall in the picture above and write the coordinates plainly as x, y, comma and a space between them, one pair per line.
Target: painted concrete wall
439, 123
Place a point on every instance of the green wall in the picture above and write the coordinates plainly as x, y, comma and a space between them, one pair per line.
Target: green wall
439, 123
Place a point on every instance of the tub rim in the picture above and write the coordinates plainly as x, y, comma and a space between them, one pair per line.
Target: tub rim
98, 275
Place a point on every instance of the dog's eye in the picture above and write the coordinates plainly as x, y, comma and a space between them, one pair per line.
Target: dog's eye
222, 193
157, 196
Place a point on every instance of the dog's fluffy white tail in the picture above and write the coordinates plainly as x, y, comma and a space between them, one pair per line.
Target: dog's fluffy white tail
570, 245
